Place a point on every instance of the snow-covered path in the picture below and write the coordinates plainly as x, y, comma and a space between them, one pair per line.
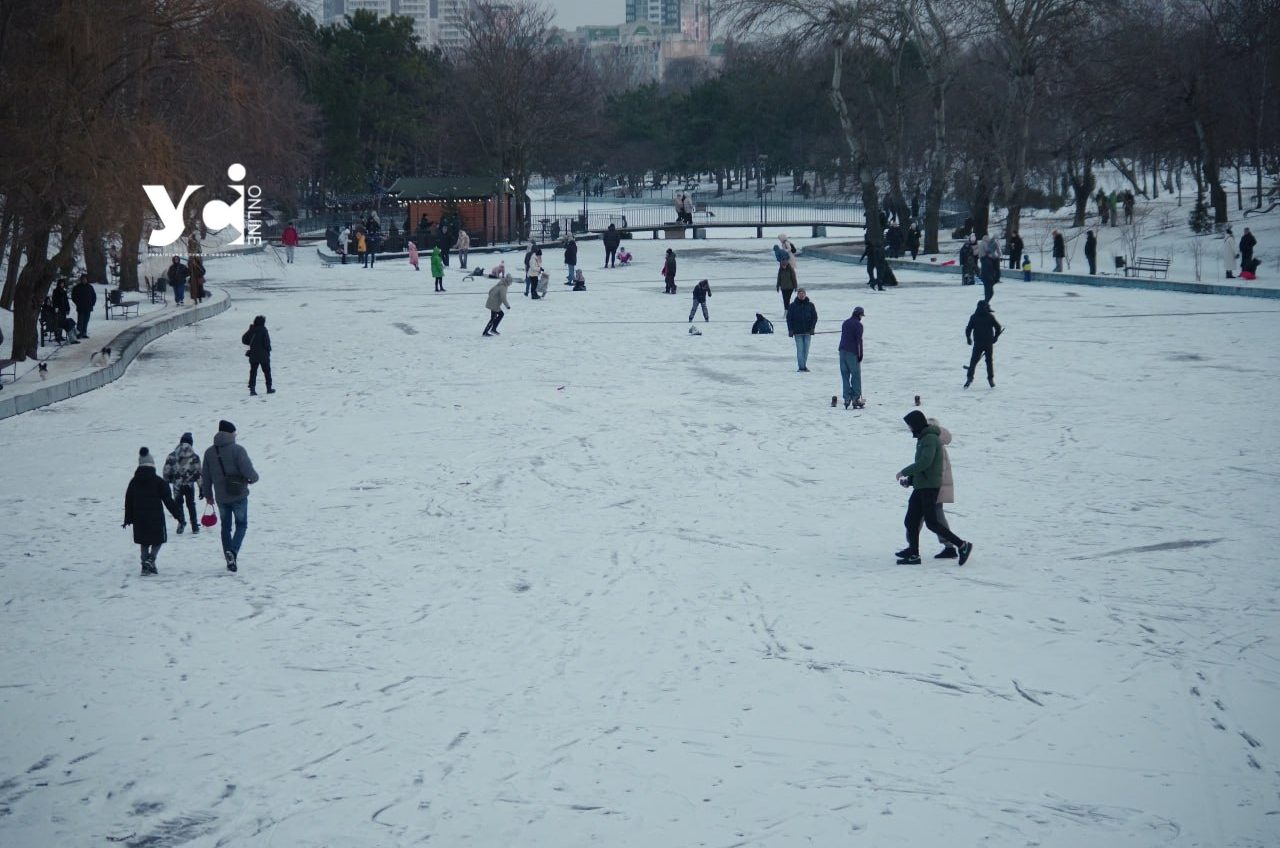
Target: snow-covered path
600, 581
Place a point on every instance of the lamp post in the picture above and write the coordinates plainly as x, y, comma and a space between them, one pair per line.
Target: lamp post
586, 190
764, 212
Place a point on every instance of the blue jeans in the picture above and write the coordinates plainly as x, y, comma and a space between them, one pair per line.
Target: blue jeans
179, 292
802, 350
570, 278
850, 375
240, 511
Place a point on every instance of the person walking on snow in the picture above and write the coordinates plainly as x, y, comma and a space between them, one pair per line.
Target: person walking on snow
413, 256
669, 272
437, 267
851, 359
946, 493
177, 276
802, 320
535, 273
983, 331
225, 478
570, 258
145, 501
289, 238
1091, 251
85, 298
784, 252
924, 477
259, 353
1059, 250
462, 246
182, 471
1229, 253
496, 300
701, 292
611, 239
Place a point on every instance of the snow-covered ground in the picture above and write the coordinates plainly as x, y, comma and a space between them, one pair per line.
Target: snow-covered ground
599, 581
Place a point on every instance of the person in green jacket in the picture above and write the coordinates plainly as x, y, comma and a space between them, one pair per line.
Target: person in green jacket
437, 267
924, 477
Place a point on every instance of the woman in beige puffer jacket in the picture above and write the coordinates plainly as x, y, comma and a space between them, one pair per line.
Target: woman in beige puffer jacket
947, 492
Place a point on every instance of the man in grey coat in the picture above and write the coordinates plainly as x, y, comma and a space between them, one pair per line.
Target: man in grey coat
225, 477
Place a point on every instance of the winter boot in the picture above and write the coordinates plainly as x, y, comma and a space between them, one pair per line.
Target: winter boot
182, 526
231, 560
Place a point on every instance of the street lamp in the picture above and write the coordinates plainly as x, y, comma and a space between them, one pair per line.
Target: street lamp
764, 162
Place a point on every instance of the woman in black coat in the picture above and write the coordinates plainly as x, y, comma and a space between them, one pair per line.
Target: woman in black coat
259, 353
144, 503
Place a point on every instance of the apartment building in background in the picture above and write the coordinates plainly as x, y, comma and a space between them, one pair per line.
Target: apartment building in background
435, 22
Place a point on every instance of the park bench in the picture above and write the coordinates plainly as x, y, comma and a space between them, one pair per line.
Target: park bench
1149, 264
158, 289
700, 207
11, 366
117, 305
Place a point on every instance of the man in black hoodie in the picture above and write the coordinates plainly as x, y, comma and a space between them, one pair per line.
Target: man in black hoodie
983, 332
611, 238
259, 353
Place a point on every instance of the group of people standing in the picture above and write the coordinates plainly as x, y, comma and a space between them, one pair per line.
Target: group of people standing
222, 478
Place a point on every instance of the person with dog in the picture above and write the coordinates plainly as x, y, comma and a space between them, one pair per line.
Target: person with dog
145, 500
496, 300
85, 298
437, 267
982, 332
259, 353
701, 292
225, 478
924, 477
182, 471
611, 239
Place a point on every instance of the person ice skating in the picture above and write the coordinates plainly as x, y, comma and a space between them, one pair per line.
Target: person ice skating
1229, 253
570, 258
669, 272
437, 267
182, 471
924, 477
1091, 252
611, 239
701, 292
983, 331
762, 327
989, 262
784, 253
1015, 250
225, 477
851, 359
496, 300
1247, 244
802, 320
85, 298
289, 238
145, 501
177, 275
1059, 250
259, 353
413, 255
462, 246
946, 493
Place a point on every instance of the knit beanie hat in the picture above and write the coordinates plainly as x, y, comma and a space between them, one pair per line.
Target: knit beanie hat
186, 437
225, 426
145, 458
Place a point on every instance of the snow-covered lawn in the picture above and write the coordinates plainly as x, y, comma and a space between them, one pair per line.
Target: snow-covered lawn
598, 581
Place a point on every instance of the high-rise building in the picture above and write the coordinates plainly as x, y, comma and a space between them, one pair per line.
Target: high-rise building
435, 22
659, 13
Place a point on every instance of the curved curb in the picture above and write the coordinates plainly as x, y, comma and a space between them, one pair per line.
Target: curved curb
128, 344
833, 253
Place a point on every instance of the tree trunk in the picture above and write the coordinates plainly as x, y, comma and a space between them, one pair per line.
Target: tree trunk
980, 207
11, 270
1155, 178
130, 238
30, 292
1082, 189
95, 257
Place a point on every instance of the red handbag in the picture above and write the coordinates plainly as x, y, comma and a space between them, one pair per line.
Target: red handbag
210, 517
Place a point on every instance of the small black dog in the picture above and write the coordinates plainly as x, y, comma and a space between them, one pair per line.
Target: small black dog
43, 370
105, 353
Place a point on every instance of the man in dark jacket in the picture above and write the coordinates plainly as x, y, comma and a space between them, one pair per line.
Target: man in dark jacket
570, 258
871, 254
983, 332
1247, 244
611, 238
225, 477
145, 501
1059, 250
1091, 251
85, 298
1015, 250
701, 292
259, 353
851, 359
924, 477
177, 275
802, 320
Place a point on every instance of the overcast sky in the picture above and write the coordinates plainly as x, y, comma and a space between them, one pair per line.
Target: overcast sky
575, 13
